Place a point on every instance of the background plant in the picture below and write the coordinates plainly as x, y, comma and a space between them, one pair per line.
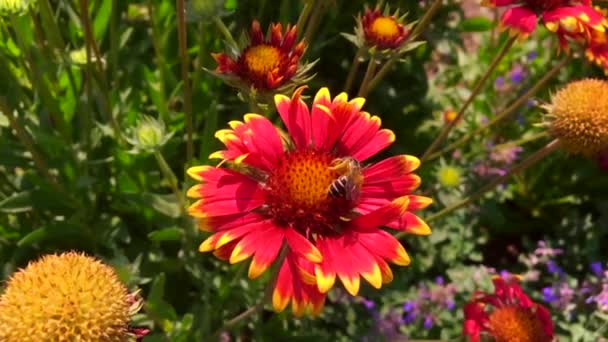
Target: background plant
79, 171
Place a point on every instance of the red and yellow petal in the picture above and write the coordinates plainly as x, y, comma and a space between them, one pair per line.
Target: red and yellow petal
290, 288
264, 257
302, 247
363, 138
390, 169
348, 259
520, 20
255, 142
384, 245
381, 216
223, 192
411, 224
295, 115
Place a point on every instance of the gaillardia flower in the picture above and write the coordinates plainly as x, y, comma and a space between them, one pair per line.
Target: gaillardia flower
313, 192
507, 315
382, 33
578, 117
575, 19
67, 297
264, 65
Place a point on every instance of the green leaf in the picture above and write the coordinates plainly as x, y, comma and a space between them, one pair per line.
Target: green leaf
37, 235
167, 234
17, 203
476, 24
102, 18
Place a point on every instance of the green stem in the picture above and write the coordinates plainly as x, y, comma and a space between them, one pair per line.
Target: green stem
114, 40
505, 112
172, 180
448, 127
92, 48
313, 21
160, 62
369, 73
267, 294
185, 63
422, 25
303, 18
521, 141
354, 67
224, 31
531, 160
27, 141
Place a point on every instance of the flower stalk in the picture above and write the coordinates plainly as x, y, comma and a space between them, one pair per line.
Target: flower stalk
92, 48
274, 275
369, 73
172, 180
183, 56
27, 141
354, 67
505, 113
447, 128
526, 163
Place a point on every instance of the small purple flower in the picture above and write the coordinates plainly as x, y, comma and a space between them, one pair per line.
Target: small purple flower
408, 306
553, 268
409, 318
369, 304
450, 304
428, 322
499, 83
532, 55
597, 269
549, 295
517, 74
439, 280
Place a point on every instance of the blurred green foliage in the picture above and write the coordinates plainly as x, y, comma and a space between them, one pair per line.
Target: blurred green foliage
69, 181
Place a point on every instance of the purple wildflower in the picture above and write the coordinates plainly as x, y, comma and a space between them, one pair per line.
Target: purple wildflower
597, 269
553, 268
428, 322
548, 295
517, 74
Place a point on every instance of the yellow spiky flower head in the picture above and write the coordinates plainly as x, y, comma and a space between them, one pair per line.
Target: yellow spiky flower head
578, 117
66, 297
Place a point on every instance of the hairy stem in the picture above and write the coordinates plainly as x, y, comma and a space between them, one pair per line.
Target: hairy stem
183, 56
354, 67
369, 73
526, 163
29, 144
476, 90
172, 180
505, 113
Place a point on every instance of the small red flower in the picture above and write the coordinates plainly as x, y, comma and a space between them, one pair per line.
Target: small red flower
311, 192
574, 19
265, 63
507, 315
383, 31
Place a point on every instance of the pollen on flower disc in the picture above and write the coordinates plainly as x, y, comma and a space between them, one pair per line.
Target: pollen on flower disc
511, 323
579, 116
67, 297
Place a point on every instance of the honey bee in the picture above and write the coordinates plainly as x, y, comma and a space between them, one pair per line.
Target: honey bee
348, 184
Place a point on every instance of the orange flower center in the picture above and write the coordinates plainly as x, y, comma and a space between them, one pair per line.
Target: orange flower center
385, 28
262, 59
298, 193
516, 324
